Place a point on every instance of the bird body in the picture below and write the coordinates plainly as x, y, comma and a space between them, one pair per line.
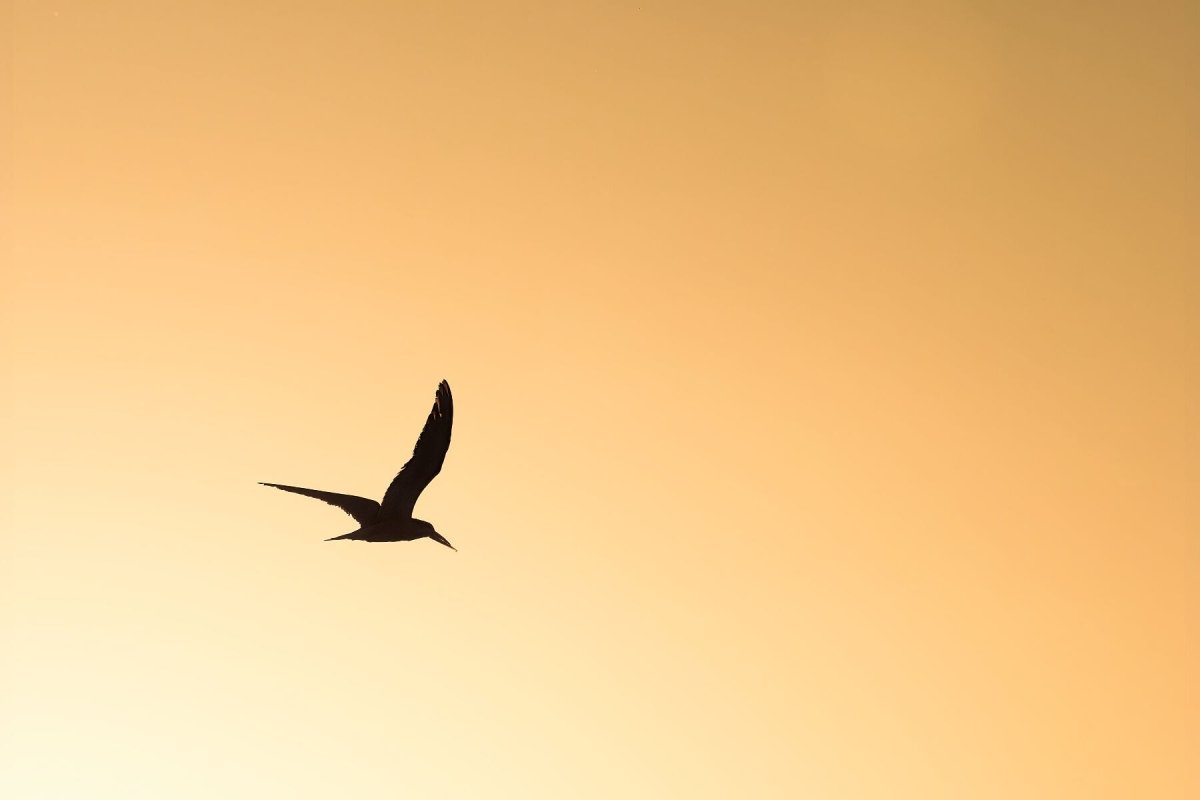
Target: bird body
392, 519
395, 530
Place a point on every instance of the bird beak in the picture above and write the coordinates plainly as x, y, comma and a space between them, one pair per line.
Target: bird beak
437, 537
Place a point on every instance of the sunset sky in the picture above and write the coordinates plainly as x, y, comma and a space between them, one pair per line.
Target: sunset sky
821, 378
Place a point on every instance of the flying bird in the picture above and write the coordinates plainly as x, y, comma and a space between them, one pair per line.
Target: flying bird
392, 520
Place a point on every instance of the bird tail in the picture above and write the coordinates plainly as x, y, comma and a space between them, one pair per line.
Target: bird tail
350, 535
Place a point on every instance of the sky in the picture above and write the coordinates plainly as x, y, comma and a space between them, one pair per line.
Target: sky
822, 381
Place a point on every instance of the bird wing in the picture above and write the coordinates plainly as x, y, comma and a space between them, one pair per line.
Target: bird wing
426, 461
363, 510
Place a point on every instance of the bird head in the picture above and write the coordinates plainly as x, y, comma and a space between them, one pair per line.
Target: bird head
422, 528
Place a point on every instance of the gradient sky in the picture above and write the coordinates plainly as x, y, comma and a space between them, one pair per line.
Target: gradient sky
821, 374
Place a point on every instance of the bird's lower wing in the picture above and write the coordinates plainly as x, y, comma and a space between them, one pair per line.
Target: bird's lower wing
363, 510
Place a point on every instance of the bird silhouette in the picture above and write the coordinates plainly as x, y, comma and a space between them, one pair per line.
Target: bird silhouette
392, 520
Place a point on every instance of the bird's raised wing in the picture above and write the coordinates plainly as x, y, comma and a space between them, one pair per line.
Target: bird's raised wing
363, 510
426, 461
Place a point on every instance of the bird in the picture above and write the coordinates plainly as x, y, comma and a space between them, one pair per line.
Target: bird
393, 520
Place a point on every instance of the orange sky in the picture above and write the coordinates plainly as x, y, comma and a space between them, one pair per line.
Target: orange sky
820, 380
